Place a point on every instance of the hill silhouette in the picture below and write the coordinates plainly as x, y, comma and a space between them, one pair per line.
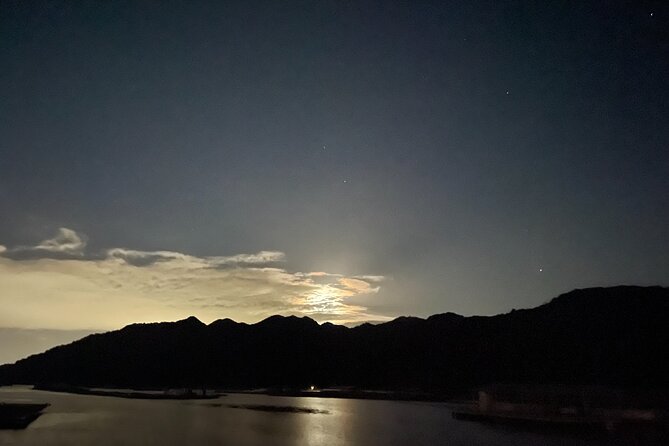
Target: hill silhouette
603, 336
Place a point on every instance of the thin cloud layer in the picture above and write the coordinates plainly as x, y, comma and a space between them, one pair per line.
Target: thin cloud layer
63, 286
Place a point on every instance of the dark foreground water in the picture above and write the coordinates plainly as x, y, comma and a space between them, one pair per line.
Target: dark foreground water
94, 420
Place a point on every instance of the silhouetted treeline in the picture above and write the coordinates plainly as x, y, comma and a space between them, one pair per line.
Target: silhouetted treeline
605, 336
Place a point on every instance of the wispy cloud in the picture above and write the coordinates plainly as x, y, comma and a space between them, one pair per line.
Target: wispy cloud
65, 244
63, 286
146, 258
368, 278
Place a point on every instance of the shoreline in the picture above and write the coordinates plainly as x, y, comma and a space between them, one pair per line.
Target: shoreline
132, 394
360, 394
213, 393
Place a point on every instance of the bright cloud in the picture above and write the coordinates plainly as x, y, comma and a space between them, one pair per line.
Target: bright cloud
66, 240
118, 286
65, 244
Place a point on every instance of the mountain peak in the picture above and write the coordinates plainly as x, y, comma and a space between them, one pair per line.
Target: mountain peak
191, 320
278, 320
274, 320
627, 295
226, 322
445, 317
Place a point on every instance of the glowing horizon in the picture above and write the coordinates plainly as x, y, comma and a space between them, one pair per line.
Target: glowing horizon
59, 284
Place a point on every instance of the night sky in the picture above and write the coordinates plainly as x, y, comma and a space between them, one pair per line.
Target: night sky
348, 161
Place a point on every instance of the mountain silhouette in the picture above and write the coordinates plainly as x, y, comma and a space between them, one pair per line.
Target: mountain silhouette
614, 336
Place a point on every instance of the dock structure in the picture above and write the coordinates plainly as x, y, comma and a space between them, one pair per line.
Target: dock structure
19, 416
557, 406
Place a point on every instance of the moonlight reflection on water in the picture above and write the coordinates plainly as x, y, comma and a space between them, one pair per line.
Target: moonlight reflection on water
250, 419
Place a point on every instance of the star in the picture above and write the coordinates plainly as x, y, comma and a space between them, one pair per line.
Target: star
507, 91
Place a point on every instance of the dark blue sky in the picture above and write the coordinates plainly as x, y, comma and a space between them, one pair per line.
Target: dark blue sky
455, 148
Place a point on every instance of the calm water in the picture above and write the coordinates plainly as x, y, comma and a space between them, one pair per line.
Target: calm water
92, 420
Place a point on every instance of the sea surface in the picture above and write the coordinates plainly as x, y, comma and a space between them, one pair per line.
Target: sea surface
234, 419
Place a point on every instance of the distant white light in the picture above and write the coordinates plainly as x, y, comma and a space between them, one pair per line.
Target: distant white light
651, 14
311, 387
345, 181
541, 270
507, 91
